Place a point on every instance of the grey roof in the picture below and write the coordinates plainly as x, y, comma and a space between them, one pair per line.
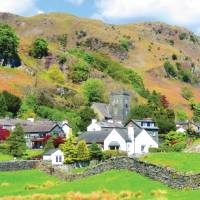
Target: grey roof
38, 126
138, 122
100, 136
50, 152
103, 108
106, 124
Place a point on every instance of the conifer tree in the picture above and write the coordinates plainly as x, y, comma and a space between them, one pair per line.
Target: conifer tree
69, 149
17, 142
95, 152
82, 151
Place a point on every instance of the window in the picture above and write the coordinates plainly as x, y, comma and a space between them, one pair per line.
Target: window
57, 159
114, 147
142, 148
60, 158
148, 124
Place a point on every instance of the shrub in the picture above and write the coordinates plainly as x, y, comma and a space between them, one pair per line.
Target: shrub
174, 57
186, 76
56, 75
181, 115
170, 69
183, 36
154, 150
4, 148
187, 93
125, 43
113, 153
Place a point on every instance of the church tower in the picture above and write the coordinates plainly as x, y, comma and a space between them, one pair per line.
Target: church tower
119, 106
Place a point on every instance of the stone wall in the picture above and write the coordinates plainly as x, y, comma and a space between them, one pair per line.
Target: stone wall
18, 165
167, 176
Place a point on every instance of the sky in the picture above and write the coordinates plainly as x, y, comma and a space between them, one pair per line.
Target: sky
175, 12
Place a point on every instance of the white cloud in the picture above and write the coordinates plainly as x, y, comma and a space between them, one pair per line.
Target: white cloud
180, 12
76, 2
21, 7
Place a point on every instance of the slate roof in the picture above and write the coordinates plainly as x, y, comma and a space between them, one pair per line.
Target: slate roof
104, 109
50, 152
106, 124
42, 126
100, 136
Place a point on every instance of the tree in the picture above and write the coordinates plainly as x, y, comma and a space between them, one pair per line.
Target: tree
58, 141
70, 150
17, 142
86, 114
82, 151
49, 144
13, 102
8, 44
4, 134
29, 106
40, 48
95, 152
174, 141
3, 106
93, 90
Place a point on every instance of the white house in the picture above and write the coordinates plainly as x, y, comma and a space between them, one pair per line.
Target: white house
56, 156
181, 130
133, 138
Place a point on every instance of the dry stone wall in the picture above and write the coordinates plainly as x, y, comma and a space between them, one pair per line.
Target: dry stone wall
19, 165
167, 176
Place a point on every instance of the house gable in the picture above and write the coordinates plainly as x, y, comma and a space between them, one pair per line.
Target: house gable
114, 136
143, 142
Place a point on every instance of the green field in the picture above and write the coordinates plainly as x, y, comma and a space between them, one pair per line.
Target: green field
184, 162
16, 183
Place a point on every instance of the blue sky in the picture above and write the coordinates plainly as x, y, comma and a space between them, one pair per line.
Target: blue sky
176, 12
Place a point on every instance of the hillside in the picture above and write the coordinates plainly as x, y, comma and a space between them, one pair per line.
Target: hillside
148, 45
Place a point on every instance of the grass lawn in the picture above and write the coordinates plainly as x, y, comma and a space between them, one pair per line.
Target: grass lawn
29, 153
15, 183
184, 162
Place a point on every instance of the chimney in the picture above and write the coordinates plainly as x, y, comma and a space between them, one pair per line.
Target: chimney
94, 121
131, 133
31, 120
65, 122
